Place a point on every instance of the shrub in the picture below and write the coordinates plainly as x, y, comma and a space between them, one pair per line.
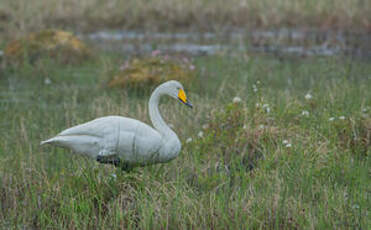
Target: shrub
151, 71
234, 138
58, 45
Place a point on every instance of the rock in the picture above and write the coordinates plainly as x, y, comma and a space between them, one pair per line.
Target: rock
58, 45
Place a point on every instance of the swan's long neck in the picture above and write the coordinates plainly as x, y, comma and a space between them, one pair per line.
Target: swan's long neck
155, 115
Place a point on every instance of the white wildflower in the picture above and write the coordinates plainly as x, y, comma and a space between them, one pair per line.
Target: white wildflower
189, 140
305, 113
257, 105
261, 126
308, 96
200, 134
286, 143
236, 100
254, 88
266, 107
205, 126
47, 81
342, 118
331, 119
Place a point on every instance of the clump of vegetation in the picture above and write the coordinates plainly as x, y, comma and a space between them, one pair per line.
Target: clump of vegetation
231, 141
228, 137
138, 73
58, 45
354, 135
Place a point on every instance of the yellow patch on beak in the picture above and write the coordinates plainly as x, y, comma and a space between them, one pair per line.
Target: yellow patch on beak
182, 96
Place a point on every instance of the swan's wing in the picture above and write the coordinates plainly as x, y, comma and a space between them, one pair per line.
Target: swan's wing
139, 144
93, 138
100, 127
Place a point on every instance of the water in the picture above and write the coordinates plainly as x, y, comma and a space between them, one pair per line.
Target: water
280, 42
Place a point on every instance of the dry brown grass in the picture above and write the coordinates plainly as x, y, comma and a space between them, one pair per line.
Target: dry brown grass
19, 16
141, 73
56, 44
355, 135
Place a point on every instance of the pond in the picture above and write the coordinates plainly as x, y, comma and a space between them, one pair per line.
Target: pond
299, 42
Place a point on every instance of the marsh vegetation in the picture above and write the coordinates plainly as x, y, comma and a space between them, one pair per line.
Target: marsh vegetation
273, 141
262, 162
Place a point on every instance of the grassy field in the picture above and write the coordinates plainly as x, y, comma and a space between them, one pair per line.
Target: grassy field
20, 16
293, 154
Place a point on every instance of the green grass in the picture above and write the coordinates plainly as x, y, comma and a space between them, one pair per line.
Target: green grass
239, 175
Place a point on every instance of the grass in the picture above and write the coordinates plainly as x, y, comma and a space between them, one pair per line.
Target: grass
20, 16
241, 174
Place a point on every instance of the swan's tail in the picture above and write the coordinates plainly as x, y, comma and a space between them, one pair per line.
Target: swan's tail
51, 140
86, 145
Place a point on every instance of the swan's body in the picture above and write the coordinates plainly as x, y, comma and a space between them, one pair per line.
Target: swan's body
123, 141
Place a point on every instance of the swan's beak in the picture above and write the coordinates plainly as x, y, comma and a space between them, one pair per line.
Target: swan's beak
188, 104
183, 98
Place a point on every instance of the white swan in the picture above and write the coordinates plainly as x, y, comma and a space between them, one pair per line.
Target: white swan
126, 142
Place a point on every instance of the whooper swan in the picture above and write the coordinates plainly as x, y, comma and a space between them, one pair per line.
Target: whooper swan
126, 142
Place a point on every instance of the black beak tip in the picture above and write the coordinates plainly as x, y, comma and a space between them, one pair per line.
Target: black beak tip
189, 105
186, 103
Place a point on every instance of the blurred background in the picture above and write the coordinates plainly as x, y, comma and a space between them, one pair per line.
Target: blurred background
279, 136
324, 27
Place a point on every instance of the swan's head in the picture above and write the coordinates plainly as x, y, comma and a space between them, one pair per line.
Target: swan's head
175, 89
